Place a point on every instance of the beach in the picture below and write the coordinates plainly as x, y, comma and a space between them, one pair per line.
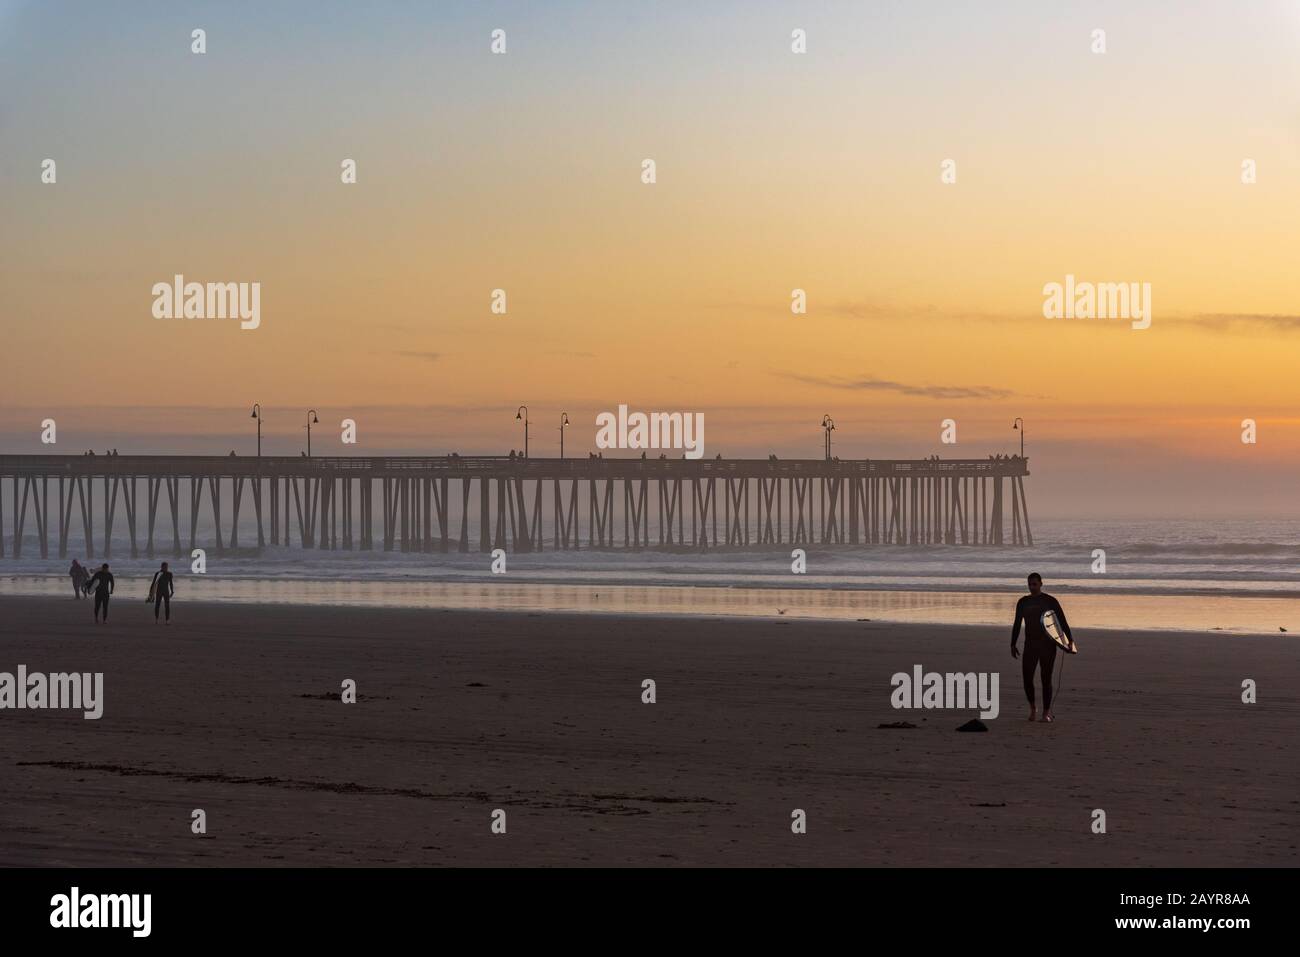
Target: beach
235, 709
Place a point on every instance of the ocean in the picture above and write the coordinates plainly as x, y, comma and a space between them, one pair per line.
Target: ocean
1240, 576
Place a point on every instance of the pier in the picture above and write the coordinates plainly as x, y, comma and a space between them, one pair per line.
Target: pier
446, 503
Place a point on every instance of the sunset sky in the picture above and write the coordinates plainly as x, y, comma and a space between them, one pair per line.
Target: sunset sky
776, 171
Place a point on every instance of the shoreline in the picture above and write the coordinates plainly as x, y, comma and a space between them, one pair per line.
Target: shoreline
608, 614
1165, 614
936, 584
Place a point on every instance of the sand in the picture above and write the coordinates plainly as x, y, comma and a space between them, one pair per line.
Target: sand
234, 709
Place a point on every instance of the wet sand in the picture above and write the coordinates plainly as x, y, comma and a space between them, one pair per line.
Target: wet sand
234, 709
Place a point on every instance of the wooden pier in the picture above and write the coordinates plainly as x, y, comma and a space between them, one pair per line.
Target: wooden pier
444, 503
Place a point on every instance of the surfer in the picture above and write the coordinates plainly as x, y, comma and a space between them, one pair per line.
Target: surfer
1040, 650
161, 591
79, 575
103, 585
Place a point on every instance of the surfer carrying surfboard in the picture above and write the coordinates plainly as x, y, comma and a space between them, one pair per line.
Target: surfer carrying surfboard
1040, 647
161, 590
102, 582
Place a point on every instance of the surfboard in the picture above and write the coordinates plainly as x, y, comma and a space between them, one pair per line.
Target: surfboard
153, 585
1053, 629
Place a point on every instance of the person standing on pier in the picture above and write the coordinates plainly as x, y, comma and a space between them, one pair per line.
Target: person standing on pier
161, 591
102, 582
1040, 650
79, 575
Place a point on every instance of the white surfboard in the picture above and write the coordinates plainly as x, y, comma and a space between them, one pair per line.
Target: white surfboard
1053, 629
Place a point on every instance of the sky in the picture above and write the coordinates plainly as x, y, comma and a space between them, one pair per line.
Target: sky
775, 171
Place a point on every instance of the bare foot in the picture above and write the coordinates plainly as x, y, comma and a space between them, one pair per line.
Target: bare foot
1033, 713
1049, 716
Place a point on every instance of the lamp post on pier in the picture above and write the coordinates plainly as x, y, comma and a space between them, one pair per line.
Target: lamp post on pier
522, 416
564, 420
829, 425
1019, 426
311, 418
257, 414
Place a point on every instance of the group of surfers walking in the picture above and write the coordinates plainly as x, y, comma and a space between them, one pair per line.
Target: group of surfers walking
101, 583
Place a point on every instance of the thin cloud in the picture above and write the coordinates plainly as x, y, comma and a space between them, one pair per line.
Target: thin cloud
1248, 322
869, 310
864, 310
905, 388
1238, 322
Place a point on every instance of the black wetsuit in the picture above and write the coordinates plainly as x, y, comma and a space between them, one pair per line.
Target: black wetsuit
162, 593
103, 582
1040, 650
